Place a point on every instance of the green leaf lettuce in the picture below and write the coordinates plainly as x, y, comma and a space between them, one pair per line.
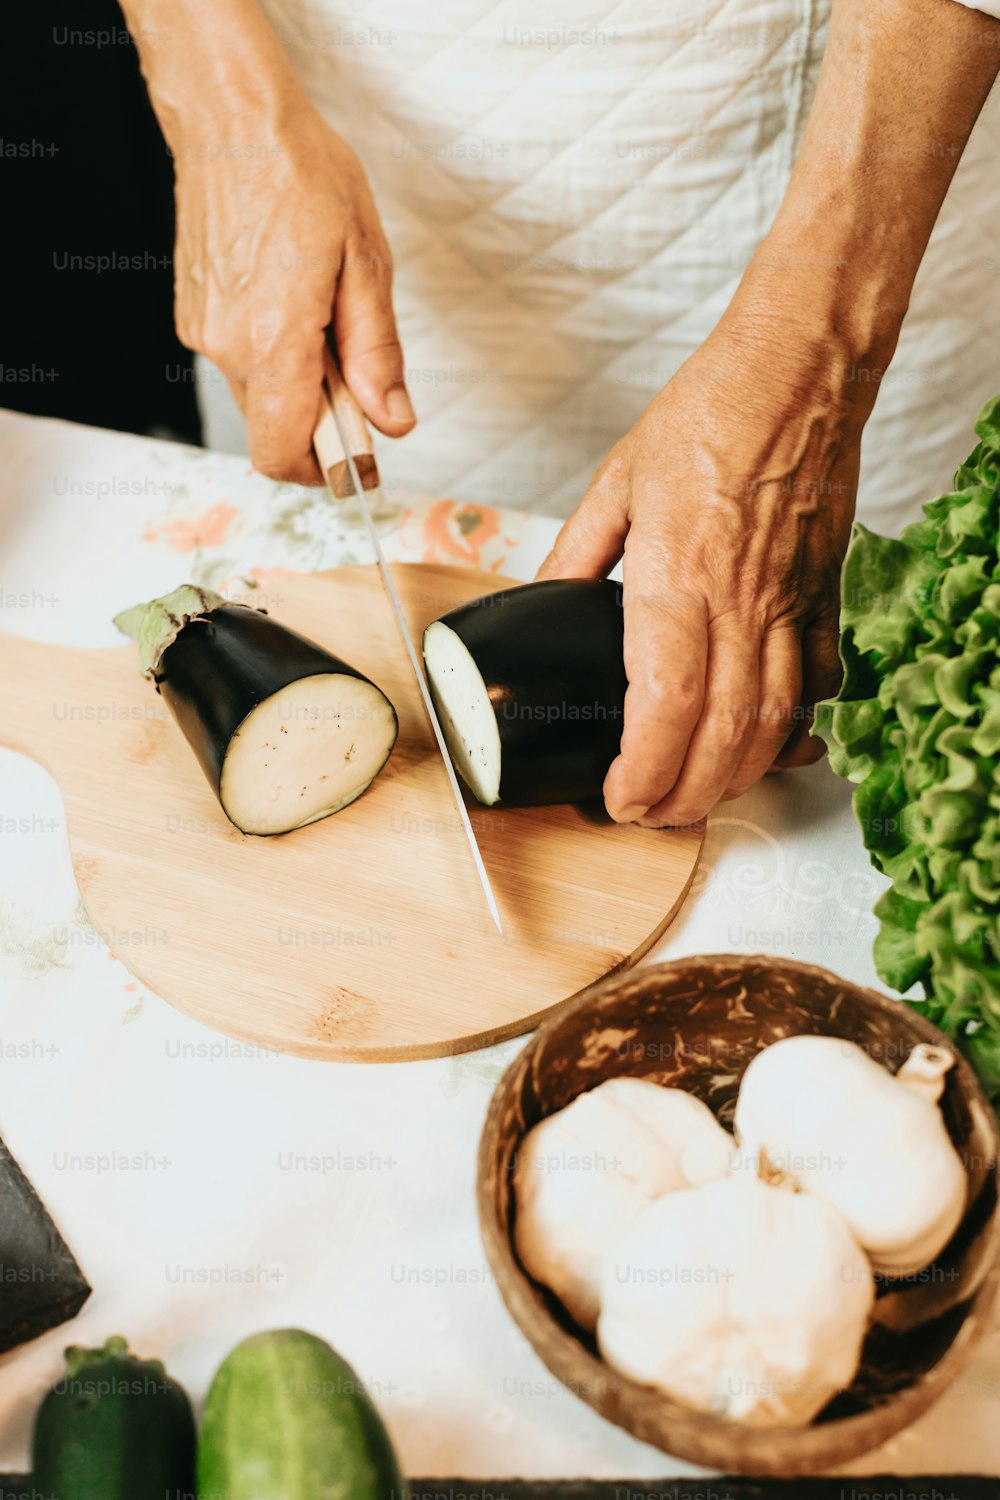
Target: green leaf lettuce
916, 726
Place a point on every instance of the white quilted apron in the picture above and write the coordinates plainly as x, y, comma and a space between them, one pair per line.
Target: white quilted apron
572, 192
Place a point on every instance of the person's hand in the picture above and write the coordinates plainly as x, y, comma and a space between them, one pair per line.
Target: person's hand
732, 496
276, 240
731, 500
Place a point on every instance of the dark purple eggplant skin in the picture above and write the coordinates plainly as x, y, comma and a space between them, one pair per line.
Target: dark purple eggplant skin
43, 1285
551, 655
222, 664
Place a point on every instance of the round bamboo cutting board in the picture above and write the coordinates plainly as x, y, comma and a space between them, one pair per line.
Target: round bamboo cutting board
364, 937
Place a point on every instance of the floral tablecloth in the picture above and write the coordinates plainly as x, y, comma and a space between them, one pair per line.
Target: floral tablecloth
210, 1189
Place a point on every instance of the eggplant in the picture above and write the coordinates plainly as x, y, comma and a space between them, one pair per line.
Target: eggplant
529, 685
42, 1285
285, 732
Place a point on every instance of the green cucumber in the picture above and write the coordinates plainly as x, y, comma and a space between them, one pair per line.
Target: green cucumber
287, 1419
113, 1428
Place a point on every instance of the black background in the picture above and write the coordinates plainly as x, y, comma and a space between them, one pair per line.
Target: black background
100, 346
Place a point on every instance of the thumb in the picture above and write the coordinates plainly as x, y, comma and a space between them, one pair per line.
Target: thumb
821, 678
371, 356
592, 540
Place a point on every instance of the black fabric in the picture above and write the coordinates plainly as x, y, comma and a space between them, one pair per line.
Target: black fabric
882, 1487
41, 1284
86, 318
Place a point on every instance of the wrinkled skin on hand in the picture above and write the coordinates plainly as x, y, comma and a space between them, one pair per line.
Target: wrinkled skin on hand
731, 501
273, 246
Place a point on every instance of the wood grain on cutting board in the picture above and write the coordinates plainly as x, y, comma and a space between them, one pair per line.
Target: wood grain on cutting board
362, 937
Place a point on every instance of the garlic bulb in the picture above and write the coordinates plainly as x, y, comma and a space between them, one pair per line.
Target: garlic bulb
584, 1174
819, 1111
740, 1299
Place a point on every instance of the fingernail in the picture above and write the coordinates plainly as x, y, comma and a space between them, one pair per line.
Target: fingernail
399, 405
629, 814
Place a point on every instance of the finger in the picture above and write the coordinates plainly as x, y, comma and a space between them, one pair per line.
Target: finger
591, 541
281, 401
778, 709
371, 356
821, 677
724, 728
666, 657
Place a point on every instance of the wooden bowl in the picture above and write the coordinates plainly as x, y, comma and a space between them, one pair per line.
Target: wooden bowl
696, 1023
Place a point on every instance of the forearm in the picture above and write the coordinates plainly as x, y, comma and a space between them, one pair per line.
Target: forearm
900, 88
211, 63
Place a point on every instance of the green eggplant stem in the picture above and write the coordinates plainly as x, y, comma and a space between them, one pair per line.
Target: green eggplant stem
157, 624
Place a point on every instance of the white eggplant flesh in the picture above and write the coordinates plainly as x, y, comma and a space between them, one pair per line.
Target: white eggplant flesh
285, 731
530, 686
465, 710
306, 752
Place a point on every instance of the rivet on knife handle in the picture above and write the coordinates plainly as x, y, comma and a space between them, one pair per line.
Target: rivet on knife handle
344, 450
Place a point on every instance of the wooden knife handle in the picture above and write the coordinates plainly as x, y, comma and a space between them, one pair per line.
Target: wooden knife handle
340, 414
329, 448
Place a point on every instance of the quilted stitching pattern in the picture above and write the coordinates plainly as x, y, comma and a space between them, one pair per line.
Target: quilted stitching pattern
571, 202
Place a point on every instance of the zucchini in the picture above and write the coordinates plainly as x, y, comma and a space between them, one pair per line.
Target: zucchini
530, 687
115, 1427
287, 1419
285, 732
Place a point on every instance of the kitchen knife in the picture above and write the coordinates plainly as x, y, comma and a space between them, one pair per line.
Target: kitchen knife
344, 450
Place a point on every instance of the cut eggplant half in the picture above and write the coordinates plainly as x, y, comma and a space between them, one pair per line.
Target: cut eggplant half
285, 732
529, 685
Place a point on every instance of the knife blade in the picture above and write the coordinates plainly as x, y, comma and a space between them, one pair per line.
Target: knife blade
344, 450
